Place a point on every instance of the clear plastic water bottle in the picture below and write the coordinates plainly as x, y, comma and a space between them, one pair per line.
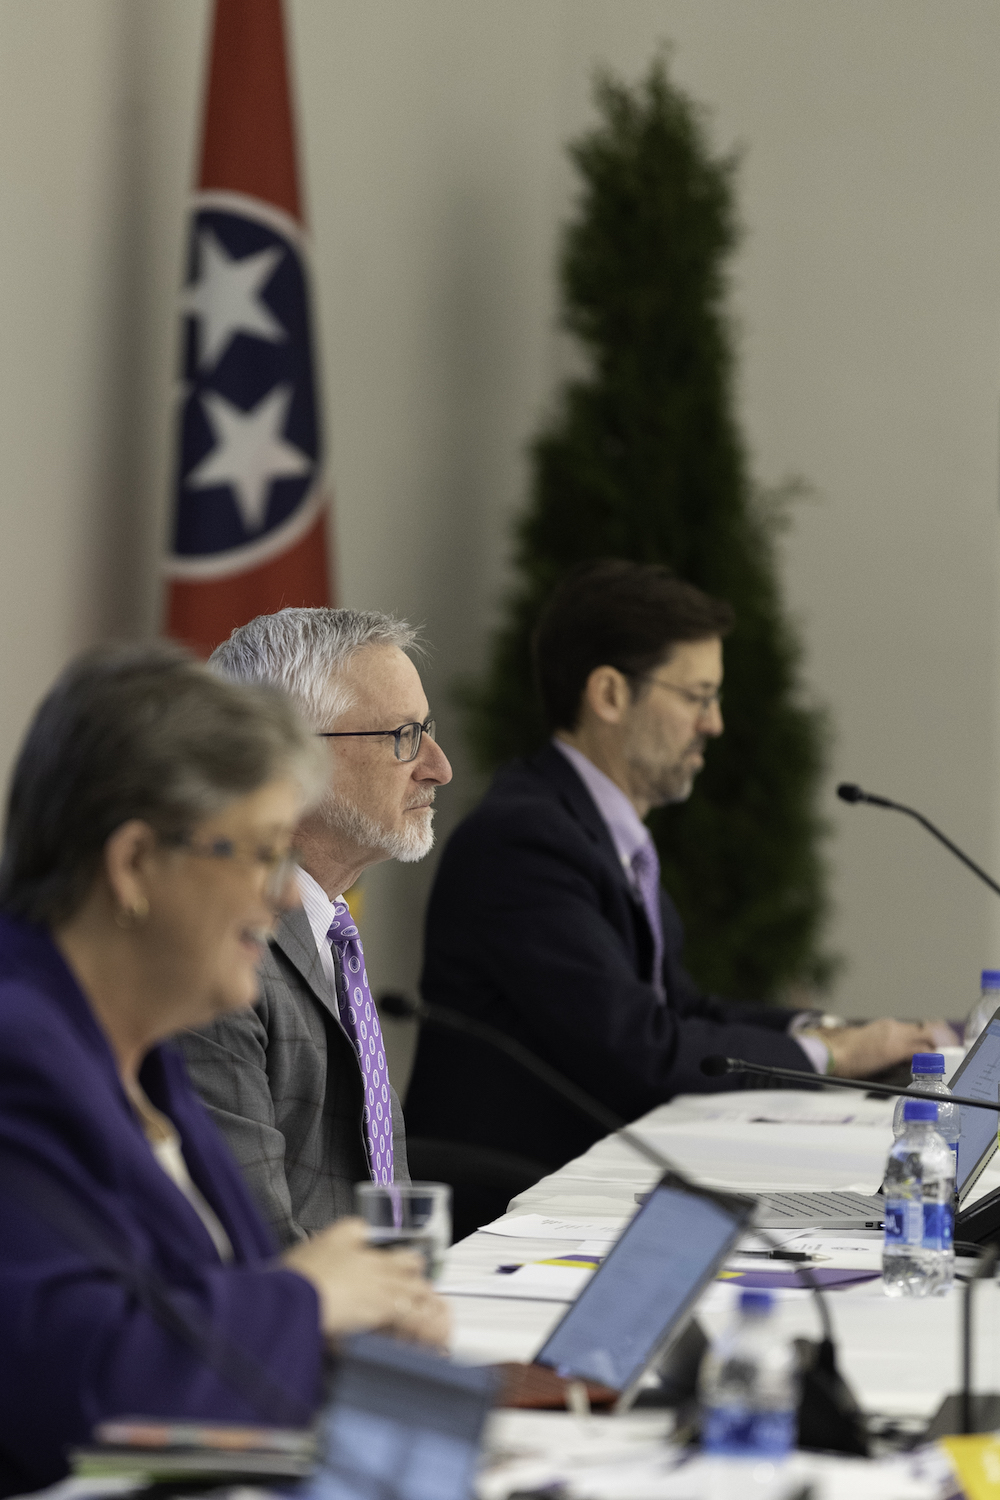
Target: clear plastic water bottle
749, 1388
928, 1076
982, 1012
918, 1256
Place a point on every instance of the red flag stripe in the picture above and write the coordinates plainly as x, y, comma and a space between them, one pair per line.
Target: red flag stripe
203, 614
249, 141
248, 151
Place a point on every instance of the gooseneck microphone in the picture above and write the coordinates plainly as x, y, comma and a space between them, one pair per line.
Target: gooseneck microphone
848, 792
719, 1067
828, 1410
979, 1226
404, 1008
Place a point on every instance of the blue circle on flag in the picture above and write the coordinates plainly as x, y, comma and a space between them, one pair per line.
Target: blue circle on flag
249, 435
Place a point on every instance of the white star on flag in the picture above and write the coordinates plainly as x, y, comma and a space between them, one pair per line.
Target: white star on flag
250, 452
226, 297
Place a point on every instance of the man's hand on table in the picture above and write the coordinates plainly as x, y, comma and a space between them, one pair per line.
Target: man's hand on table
863, 1051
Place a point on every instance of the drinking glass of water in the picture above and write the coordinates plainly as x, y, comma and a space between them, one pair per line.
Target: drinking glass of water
407, 1215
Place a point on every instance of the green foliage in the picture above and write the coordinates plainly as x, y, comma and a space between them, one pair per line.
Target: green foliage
643, 460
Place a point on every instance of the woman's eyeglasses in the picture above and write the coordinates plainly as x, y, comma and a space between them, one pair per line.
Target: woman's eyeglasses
279, 864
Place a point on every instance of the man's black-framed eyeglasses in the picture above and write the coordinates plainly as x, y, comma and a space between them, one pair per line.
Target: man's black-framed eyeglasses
406, 739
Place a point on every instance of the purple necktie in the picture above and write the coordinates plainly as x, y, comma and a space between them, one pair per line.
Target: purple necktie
359, 1019
646, 870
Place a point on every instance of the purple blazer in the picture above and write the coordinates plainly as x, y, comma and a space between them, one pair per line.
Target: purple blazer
75, 1347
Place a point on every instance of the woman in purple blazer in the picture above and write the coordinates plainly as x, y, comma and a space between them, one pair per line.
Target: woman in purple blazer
146, 857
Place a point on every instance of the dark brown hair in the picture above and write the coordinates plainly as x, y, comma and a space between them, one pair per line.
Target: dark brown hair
615, 614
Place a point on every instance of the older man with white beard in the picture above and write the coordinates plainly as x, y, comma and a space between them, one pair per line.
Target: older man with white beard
298, 1085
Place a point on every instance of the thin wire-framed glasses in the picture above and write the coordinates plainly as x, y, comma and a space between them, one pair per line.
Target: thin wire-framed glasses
703, 702
279, 864
406, 739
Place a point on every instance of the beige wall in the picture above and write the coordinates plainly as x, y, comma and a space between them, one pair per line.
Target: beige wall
867, 296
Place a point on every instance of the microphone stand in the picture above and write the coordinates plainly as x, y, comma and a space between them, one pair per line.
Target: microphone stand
401, 1007
968, 1413
965, 1412
737, 1065
848, 792
829, 1416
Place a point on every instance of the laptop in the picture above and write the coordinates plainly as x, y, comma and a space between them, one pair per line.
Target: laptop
403, 1423
978, 1076
638, 1301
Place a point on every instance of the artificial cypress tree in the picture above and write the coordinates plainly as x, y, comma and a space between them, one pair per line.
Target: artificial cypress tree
643, 460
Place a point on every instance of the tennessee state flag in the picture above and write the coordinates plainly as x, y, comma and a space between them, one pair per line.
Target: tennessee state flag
249, 520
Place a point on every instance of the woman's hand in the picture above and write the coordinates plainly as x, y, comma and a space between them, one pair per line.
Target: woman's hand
360, 1288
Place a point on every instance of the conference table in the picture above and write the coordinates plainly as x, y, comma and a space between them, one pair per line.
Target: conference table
900, 1356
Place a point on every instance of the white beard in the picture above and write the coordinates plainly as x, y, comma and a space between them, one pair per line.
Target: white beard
407, 844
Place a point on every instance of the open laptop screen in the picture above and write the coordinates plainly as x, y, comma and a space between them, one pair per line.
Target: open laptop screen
402, 1423
627, 1311
979, 1077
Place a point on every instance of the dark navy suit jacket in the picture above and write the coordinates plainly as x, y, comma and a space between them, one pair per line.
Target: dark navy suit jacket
534, 927
75, 1348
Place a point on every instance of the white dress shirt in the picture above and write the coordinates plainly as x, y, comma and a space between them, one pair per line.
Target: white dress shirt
319, 910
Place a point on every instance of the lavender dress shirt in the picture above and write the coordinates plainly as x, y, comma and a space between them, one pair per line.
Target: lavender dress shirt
628, 834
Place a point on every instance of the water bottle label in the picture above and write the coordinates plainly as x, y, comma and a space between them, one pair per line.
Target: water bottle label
938, 1226
736, 1430
904, 1222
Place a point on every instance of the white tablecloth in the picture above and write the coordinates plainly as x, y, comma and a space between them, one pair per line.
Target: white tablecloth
900, 1356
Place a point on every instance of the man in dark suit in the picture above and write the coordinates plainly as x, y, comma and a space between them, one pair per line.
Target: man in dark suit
299, 1084
547, 918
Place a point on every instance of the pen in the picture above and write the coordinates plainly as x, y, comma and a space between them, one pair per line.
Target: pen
780, 1255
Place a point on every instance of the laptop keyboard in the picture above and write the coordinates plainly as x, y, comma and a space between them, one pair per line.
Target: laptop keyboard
824, 1204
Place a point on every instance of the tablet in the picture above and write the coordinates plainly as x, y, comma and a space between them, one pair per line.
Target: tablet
638, 1301
978, 1077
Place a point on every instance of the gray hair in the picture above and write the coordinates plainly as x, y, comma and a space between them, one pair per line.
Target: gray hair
305, 652
141, 732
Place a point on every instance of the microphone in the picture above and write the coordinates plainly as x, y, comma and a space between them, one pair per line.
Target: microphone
848, 792
957, 1413
404, 1008
718, 1067
828, 1410
829, 1417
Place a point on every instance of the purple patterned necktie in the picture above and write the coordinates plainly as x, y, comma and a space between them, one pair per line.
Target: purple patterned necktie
646, 870
359, 1019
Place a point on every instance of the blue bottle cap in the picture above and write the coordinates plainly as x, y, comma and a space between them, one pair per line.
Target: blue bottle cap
762, 1302
928, 1062
920, 1109
990, 979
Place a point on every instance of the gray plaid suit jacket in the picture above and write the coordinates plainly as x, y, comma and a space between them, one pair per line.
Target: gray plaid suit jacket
283, 1083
